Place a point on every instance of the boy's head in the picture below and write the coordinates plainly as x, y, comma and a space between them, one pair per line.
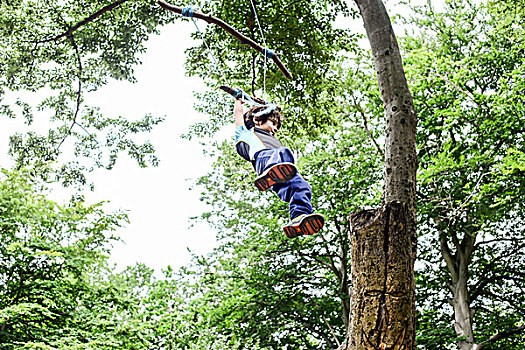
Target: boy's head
273, 117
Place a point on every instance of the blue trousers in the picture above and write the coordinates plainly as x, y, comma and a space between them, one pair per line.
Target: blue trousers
297, 192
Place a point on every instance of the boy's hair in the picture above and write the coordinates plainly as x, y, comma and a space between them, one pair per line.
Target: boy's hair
274, 115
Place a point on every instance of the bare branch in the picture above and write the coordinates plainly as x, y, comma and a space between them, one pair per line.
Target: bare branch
486, 279
496, 240
365, 125
446, 79
465, 202
321, 261
447, 255
79, 91
455, 240
365, 120
326, 321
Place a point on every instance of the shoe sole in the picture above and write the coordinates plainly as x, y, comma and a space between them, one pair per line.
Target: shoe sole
308, 226
279, 173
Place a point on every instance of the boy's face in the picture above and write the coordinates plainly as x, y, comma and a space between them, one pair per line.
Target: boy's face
269, 125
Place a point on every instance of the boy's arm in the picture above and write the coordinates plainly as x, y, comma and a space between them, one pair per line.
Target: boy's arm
238, 112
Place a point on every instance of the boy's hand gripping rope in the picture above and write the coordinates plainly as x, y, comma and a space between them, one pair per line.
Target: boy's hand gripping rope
188, 12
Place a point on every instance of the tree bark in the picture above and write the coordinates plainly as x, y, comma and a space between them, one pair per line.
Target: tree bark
383, 298
383, 241
457, 265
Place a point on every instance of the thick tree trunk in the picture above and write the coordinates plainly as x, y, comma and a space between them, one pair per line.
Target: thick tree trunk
383, 241
383, 296
463, 316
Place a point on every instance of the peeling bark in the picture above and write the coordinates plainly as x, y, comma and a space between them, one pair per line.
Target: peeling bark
383, 298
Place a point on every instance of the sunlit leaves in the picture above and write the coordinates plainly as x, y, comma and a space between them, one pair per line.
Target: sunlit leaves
48, 251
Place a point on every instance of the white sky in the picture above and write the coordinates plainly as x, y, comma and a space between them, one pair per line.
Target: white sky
159, 199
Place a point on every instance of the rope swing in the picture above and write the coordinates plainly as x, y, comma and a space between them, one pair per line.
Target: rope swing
267, 53
188, 12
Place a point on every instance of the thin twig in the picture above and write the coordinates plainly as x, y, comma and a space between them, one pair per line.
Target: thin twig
365, 120
79, 92
462, 205
500, 335
326, 321
365, 125
466, 93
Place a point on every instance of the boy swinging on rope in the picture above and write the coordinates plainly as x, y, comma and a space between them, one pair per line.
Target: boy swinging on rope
255, 141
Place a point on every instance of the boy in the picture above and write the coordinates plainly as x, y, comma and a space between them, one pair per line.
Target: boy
255, 141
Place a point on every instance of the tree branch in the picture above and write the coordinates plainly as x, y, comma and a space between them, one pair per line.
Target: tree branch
496, 240
326, 321
243, 39
446, 79
480, 287
365, 125
511, 300
79, 92
94, 16
447, 255
501, 335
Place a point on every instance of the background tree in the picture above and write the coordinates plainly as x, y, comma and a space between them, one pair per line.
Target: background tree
53, 261
468, 81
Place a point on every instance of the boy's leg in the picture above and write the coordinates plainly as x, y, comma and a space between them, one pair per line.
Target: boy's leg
298, 193
274, 166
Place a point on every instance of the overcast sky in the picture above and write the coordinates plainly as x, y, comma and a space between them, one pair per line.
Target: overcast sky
159, 200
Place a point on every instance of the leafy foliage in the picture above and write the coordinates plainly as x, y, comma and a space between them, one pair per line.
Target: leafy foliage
48, 254
308, 43
468, 81
258, 290
53, 53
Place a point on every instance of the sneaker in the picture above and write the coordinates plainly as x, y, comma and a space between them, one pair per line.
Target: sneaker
278, 173
306, 224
